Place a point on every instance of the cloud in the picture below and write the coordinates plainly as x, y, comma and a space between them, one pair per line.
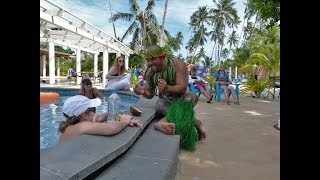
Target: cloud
97, 13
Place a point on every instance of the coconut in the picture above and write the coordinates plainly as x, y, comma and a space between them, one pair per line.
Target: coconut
135, 111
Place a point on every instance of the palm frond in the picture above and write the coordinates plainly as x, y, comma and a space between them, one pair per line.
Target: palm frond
122, 16
129, 31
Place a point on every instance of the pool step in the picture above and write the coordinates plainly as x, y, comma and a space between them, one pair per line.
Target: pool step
153, 156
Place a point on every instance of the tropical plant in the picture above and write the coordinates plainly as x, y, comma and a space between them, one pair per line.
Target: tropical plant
233, 39
198, 20
133, 80
255, 86
163, 37
223, 15
268, 10
136, 61
142, 21
175, 42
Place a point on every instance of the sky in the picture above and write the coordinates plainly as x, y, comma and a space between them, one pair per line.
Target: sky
97, 13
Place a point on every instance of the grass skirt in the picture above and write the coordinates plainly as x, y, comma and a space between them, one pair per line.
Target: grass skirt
182, 114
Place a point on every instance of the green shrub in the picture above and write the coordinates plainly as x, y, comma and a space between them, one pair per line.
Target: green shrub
133, 80
256, 86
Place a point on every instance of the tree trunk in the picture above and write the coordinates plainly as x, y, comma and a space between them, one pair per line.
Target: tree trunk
163, 22
114, 29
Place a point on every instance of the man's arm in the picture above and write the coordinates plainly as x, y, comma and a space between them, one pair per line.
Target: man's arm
181, 86
146, 91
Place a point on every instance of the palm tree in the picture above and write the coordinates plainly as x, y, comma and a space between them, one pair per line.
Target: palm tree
163, 22
214, 38
224, 15
233, 39
253, 10
201, 54
175, 42
141, 20
114, 29
244, 20
207, 62
247, 31
241, 55
197, 23
225, 53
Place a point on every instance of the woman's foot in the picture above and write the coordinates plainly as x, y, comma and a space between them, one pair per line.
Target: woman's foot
166, 128
236, 103
210, 99
228, 102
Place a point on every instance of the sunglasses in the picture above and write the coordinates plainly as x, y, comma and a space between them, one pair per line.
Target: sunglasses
221, 70
120, 61
88, 83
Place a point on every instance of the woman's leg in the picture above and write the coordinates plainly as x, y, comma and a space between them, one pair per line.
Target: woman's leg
225, 92
233, 93
205, 93
208, 91
122, 84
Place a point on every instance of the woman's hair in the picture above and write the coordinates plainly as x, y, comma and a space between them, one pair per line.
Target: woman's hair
69, 121
193, 69
116, 64
82, 89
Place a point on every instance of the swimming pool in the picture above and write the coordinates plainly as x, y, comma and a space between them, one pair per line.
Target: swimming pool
51, 114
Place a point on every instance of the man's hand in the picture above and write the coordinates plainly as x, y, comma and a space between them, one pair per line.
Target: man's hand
138, 89
162, 86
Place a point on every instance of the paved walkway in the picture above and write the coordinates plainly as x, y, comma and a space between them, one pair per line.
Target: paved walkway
242, 143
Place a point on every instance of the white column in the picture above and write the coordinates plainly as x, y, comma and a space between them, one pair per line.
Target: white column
44, 66
126, 60
95, 64
78, 65
236, 74
58, 69
230, 72
105, 64
51, 62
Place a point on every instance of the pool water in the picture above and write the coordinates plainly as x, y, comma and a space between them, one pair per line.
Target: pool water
51, 115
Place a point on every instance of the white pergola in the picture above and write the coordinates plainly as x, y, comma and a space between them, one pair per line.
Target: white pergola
60, 27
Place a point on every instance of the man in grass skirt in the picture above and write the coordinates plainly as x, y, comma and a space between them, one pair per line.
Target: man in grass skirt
169, 79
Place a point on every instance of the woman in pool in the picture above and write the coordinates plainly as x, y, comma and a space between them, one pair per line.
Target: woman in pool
89, 91
80, 119
116, 78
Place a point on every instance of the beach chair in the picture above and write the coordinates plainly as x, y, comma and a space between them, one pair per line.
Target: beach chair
220, 91
201, 72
